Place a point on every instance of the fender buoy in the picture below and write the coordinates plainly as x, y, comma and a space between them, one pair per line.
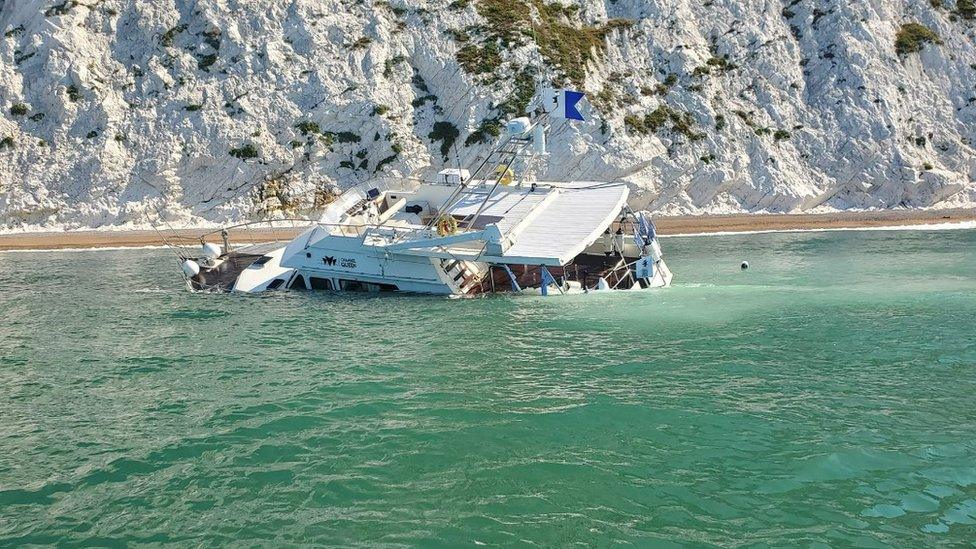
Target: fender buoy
446, 225
190, 268
211, 251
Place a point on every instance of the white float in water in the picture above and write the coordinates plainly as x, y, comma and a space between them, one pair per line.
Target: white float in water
744, 266
190, 268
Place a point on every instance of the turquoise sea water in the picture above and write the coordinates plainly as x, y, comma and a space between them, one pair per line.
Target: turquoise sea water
826, 396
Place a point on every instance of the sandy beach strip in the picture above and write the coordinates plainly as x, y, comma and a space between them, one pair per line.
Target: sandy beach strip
744, 223
667, 226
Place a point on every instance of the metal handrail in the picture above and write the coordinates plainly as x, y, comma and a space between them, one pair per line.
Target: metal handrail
248, 224
385, 183
359, 227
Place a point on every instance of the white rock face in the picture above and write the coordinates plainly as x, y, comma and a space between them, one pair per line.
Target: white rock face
133, 107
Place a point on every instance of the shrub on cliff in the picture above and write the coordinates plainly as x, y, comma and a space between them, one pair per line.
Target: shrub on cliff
446, 133
966, 9
308, 127
244, 152
477, 60
913, 36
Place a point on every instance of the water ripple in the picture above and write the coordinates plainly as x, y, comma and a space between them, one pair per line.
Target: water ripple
775, 407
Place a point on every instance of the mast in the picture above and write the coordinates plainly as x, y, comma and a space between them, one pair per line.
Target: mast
524, 137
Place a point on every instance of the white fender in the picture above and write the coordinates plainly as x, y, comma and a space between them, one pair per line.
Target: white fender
211, 251
190, 268
656, 254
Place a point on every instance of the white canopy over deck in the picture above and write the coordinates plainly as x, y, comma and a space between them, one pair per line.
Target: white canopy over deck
549, 226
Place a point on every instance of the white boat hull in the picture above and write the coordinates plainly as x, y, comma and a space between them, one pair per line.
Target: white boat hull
346, 269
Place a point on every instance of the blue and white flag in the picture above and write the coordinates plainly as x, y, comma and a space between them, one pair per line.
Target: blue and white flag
562, 103
567, 104
569, 108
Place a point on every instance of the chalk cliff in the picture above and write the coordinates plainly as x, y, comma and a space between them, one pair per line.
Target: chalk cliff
118, 111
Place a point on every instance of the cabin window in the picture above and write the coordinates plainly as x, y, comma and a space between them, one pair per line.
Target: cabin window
351, 286
275, 284
357, 286
261, 260
298, 283
320, 283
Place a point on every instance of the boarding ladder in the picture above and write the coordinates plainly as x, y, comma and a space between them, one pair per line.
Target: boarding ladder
465, 274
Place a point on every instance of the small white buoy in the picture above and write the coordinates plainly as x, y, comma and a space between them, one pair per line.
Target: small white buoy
211, 251
744, 266
190, 268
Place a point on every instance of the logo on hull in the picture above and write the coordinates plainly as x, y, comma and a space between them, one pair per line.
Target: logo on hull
343, 262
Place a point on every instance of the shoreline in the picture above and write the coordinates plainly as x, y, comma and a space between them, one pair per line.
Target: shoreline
685, 225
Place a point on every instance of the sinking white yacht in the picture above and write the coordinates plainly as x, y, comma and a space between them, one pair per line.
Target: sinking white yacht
466, 233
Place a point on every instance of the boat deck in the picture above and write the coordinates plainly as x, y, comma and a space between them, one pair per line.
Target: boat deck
550, 226
223, 277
